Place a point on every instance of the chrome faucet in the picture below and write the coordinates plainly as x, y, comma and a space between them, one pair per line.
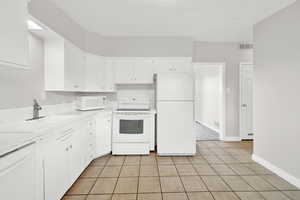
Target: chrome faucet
36, 109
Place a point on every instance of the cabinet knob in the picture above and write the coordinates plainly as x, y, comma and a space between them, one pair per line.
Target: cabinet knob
67, 149
71, 146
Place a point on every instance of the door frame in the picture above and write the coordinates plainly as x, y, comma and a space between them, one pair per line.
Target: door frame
242, 135
222, 102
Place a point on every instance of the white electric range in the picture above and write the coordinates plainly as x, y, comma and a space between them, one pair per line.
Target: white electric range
133, 129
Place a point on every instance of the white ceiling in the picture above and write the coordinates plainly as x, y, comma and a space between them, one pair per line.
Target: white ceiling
205, 20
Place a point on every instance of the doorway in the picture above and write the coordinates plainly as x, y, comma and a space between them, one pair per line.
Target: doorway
246, 101
210, 101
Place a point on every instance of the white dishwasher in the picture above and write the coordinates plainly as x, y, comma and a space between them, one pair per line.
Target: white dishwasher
18, 174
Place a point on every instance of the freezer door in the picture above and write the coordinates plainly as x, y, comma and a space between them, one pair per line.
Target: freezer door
175, 133
175, 87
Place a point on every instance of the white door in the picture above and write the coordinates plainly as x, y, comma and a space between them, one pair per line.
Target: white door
17, 175
95, 73
110, 78
103, 134
246, 101
162, 65
57, 179
124, 71
143, 71
76, 150
74, 67
14, 32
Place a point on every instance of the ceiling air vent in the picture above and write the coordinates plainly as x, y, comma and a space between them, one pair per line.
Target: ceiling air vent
246, 46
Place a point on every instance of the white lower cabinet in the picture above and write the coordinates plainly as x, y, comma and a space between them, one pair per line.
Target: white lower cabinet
17, 174
57, 166
66, 156
103, 133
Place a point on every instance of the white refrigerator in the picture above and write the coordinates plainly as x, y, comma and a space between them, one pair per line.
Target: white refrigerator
175, 114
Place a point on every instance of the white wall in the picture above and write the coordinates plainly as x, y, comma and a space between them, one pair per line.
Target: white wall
219, 52
208, 95
47, 12
19, 87
276, 90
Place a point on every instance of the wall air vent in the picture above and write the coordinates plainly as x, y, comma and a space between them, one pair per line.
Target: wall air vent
246, 46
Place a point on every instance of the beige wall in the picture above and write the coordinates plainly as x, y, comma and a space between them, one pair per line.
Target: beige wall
277, 87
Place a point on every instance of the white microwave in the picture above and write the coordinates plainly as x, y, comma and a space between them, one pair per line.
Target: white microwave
91, 102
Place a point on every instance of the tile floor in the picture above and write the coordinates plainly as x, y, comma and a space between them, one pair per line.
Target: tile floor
219, 171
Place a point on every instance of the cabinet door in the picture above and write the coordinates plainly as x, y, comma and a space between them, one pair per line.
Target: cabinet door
172, 65
103, 134
182, 65
95, 73
143, 71
74, 67
124, 71
56, 168
14, 34
77, 151
162, 65
110, 78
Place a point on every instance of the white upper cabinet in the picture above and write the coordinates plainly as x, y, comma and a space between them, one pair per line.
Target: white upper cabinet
133, 71
95, 73
64, 66
123, 71
183, 64
143, 71
99, 74
13, 33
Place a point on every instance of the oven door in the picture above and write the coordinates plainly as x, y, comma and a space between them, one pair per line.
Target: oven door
131, 127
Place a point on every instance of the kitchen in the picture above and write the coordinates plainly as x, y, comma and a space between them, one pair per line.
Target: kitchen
110, 105
91, 116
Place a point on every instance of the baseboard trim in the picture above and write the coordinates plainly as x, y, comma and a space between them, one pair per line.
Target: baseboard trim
209, 127
280, 172
232, 139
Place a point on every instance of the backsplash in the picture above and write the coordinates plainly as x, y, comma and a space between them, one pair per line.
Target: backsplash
136, 94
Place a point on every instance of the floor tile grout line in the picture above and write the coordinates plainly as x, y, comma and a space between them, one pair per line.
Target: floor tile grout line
186, 192
193, 165
117, 179
138, 183
161, 191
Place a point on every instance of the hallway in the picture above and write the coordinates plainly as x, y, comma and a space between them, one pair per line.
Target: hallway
219, 171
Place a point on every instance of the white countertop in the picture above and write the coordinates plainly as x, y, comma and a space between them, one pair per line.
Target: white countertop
16, 134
